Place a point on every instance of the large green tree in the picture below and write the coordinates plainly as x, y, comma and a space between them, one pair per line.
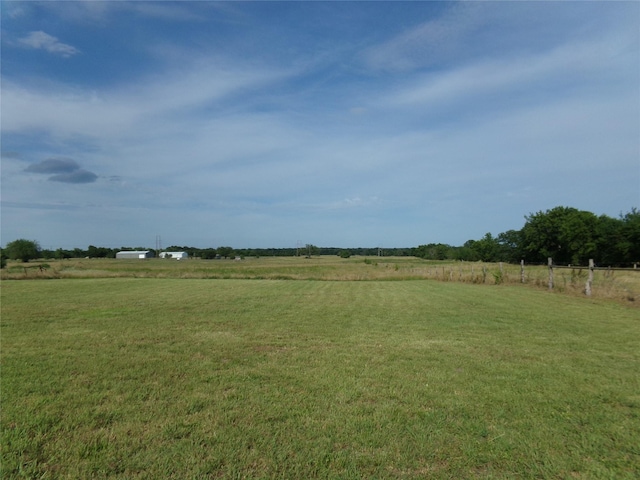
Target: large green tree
23, 250
567, 235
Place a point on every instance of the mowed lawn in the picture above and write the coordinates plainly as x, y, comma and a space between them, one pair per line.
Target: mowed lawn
189, 379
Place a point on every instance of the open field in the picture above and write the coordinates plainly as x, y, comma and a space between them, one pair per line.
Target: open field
222, 378
623, 286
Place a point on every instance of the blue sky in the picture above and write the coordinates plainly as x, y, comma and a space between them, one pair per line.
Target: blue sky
345, 124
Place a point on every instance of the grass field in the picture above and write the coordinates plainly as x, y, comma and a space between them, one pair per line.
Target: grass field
195, 378
623, 286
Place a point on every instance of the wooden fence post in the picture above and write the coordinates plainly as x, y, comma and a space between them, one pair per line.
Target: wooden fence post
521, 271
550, 263
587, 288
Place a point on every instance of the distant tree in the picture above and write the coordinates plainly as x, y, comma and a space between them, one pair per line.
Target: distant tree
611, 244
469, 252
62, 254
486, 249
344, 254
311, 250
434, 251
98, 252
225, 252
510, 246
3, 258
46, 253
23, 250
208, 253
631, 234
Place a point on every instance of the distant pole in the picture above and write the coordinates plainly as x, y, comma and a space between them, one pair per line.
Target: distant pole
550, 263
521, 271
587, 288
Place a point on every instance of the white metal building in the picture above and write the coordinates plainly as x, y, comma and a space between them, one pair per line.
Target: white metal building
135, 254
176, 255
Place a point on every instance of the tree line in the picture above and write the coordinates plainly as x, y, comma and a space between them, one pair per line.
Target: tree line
568, 235
26, 250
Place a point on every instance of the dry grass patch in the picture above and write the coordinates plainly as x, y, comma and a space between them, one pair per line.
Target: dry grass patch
623, 286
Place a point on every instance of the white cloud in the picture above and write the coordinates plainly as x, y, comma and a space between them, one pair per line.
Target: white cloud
44, 41
157, 103
561, 68
427, 43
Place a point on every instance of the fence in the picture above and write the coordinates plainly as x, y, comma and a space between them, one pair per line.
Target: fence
591, 280
591, 268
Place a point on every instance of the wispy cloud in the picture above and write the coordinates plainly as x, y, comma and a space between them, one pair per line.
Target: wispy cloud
428, 43
274, 123
604, 61
49, 43
166, 97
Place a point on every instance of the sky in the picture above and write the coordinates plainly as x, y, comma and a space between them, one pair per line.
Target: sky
337, 124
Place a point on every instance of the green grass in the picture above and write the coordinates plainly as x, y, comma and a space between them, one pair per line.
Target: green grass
191, 378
